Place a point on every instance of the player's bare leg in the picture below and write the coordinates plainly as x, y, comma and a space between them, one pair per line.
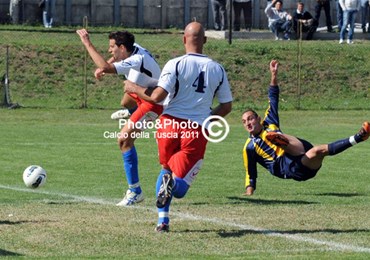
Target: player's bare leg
314, 157
126, 142
127, 101
128, 104
291, 144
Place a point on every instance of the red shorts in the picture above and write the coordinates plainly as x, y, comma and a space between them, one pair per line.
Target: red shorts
144, 107
180, 149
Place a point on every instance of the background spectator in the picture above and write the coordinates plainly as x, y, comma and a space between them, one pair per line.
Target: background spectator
350, 9
303, 21
48, 7
339, 15
279, 20
365, 13
14, 11
326, 5
219, 14
246, 7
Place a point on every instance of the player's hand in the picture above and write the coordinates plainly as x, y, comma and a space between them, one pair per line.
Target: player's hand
249, 191
274, 66
99, 73
84, 36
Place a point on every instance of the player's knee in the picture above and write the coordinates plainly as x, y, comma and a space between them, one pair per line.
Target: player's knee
320, 150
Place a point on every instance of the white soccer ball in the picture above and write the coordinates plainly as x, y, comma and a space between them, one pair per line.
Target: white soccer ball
34, 176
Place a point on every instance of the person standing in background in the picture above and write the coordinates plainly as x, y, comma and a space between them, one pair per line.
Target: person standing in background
365, 13
219, 15
350, 9
339, 15
48, 7
14, 11
326, 5
246, 7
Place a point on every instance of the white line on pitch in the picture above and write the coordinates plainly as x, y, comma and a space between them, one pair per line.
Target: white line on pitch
333, 246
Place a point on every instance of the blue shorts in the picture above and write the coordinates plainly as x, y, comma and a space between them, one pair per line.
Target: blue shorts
291, 167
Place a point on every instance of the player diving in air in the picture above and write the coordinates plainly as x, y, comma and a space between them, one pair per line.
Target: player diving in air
285, 156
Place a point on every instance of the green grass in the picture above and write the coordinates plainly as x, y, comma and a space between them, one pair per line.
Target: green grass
74, 214
47, 69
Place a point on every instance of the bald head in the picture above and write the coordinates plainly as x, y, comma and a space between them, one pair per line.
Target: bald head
194, 37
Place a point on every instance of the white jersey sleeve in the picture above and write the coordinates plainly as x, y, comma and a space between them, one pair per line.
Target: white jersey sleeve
193, 81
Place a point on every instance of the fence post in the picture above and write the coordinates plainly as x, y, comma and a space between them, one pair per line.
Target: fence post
186, 12
116, 12
84, 104
68, 10
140, 13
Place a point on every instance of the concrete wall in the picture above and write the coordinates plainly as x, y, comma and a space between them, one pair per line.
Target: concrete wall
141, 13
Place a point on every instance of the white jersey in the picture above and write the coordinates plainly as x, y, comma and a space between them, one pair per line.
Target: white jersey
140, 60
193, 81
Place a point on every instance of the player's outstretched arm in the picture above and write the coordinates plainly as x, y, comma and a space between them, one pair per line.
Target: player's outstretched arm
94, 54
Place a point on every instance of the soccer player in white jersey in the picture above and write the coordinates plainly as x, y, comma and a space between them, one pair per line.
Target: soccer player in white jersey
126, 56
188, 85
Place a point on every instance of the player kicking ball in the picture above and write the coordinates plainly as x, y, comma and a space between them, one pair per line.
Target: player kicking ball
285, 156
128, 58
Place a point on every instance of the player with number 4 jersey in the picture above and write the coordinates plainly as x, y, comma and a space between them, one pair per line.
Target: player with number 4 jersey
191, 93
187, 85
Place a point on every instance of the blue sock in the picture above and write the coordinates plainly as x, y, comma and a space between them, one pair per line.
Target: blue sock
132, 110
180, 188
163, 213
339, 146
131, 168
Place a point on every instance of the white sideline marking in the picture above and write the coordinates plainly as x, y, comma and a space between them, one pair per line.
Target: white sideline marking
333, 246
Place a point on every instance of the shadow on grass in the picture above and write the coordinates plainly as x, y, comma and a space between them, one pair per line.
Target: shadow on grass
8, 222
8, 253
240, 233
337, 194
239, 200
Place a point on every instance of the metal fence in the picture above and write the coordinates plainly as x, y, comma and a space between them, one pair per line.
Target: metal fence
141, 13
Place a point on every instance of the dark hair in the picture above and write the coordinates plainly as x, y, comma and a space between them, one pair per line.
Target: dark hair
278, 1
123, 38
250, 110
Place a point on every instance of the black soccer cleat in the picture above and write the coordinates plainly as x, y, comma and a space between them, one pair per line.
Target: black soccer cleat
165, 191
277, 139
161, 228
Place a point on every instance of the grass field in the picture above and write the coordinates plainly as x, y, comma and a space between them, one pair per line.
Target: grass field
46, 69
74, 214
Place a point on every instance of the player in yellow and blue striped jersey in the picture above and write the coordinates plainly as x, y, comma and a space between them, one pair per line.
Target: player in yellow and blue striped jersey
284, 156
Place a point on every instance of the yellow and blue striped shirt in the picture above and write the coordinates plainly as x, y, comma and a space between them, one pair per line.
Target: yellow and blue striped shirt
258, 149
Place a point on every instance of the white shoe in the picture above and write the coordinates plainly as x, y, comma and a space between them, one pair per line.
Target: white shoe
121, 114
131, 198
349, 41
340, 41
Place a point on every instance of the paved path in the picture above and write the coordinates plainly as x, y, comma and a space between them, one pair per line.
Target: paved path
321, 34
